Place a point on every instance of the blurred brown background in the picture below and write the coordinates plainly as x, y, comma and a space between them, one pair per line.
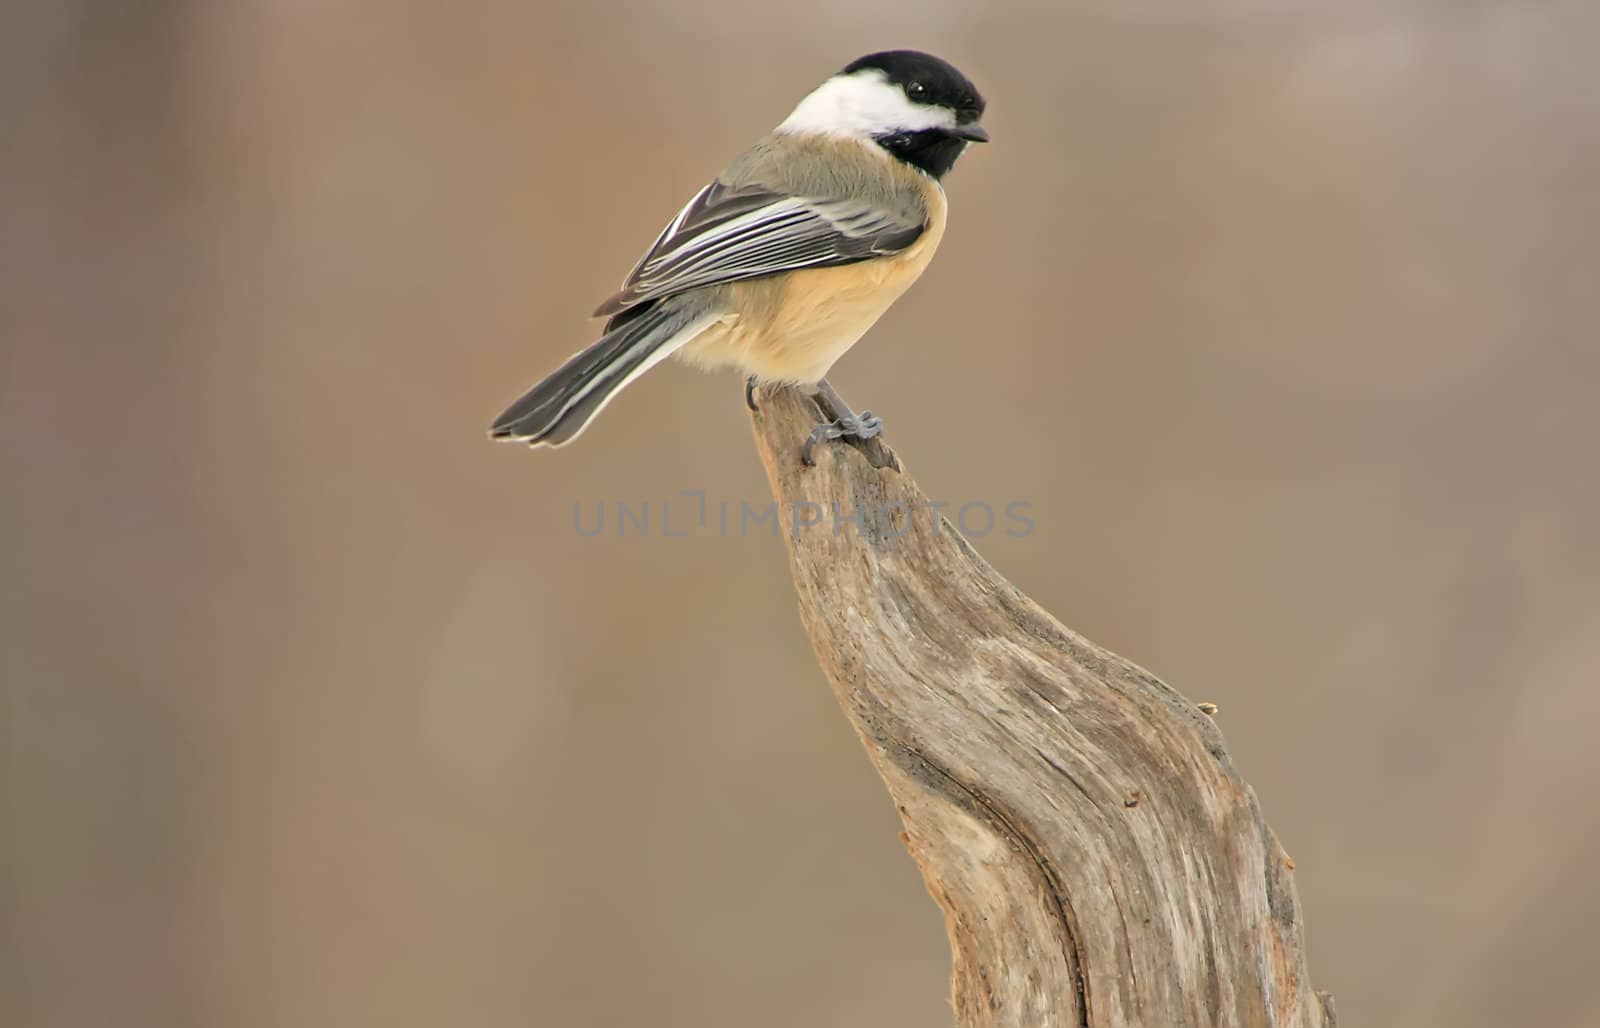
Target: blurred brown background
318, 711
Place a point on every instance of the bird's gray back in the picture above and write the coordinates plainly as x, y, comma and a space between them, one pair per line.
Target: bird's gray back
821, 168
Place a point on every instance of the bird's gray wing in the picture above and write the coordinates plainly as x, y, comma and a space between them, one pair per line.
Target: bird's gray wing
727, 233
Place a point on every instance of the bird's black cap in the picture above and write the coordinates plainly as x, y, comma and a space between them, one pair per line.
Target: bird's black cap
926, 79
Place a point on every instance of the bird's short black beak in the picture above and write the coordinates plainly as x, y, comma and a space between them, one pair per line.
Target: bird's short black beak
973, 133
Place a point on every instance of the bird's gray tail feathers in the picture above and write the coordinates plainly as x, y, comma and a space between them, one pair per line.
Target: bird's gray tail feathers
556, 410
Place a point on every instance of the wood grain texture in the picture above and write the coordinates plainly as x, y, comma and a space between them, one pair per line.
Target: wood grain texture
1098, 859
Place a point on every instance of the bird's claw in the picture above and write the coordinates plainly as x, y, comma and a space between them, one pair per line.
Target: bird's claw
750, 393
860, 427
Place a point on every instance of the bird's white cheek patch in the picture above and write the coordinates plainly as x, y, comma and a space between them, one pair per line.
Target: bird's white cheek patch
863, 105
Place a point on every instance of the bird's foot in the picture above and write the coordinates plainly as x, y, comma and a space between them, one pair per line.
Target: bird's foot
859, 427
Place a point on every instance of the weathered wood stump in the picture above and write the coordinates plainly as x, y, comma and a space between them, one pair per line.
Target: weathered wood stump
1098, 859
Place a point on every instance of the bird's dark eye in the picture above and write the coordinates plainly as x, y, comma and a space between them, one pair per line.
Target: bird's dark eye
916, 90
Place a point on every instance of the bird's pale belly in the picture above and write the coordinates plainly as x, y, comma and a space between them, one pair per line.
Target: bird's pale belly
792, 328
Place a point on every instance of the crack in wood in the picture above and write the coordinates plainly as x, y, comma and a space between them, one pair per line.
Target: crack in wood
1060, 904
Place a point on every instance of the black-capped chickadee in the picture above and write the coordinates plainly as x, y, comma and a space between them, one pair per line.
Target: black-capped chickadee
790, 255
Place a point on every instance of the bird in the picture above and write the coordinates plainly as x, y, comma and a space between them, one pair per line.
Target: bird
789, 256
